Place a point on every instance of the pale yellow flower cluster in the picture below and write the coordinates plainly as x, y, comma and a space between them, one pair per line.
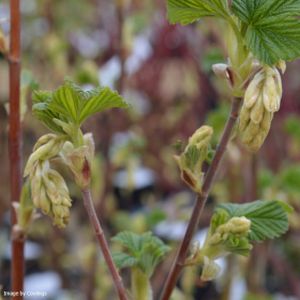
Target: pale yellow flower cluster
262, 99
49, 191
236, 225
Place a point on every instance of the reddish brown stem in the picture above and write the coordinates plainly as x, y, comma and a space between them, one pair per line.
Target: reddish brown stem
200, 202
89, 206
15, 142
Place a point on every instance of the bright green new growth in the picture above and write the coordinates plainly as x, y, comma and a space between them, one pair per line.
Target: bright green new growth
268, 218
235, 227
72, 105
269, 29
142, 253
63, 111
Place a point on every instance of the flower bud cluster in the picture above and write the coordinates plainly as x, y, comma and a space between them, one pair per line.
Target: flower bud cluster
50, 193
238, 226
191, 160
262, 99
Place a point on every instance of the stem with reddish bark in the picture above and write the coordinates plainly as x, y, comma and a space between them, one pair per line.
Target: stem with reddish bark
89, 206
15, 142
201, 201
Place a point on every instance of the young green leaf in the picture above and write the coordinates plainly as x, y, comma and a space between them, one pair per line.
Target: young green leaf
123, 260
42, 112
72, 105
101, 99
189, 11
66, 102
268, 218
272, 28
131, 241
143, 251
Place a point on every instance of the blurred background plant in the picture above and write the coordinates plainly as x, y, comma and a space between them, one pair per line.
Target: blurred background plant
164, 72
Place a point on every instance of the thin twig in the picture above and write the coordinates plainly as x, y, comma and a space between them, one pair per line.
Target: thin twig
15, 142
89, 205
200, 202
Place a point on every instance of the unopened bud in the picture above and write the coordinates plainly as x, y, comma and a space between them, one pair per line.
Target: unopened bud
253, 90
50, 147
221, 70
257, 111
43, 201
79, 159
272, 90
201, 136
191, 160
237, 225
210, 270
90, 146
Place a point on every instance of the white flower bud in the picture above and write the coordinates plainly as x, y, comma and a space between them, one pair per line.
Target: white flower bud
43, 202
253, 90
44, 139
272, 90
90, 146
257, 111
221, 70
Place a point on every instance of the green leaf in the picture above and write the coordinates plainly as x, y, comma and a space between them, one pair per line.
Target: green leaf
189, 11
152, 252
66, 102
145, 251
101, 99
123, 260
131, 241
268, 218
40, 108
272, 28
72, 105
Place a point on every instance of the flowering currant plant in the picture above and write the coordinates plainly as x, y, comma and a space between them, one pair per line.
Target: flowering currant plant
260, 36
63, 112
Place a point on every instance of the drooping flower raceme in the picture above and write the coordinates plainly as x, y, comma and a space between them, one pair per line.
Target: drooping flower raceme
48, 188
262, 99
